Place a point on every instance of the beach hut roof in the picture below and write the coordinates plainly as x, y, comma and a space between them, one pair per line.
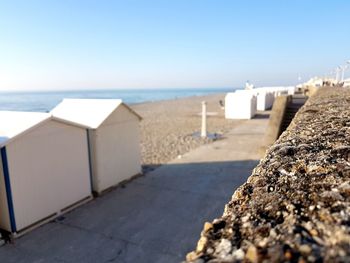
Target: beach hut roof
90, 113
16, 123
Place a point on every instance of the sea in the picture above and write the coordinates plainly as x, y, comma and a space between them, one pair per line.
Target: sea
44, 101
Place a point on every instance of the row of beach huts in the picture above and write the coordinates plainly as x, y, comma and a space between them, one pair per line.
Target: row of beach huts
52, 162
244, 104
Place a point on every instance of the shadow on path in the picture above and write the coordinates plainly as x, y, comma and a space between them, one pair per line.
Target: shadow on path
154, 218
262, 115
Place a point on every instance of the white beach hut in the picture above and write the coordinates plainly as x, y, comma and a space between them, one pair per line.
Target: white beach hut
240, 105
114, 138
265, 100
44, 169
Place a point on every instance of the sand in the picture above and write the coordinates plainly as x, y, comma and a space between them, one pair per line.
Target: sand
167, 127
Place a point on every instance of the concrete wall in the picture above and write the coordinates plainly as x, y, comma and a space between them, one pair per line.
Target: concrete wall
295, 205
276, 118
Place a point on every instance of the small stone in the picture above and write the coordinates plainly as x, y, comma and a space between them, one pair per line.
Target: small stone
344, 188
288, 255
201, 244
319, 240
192, 256
311, 258
325, 216
238, 254
246, 225
308, 225
207, 226
341, 253
237, 194
263, 243
313, 232
245, 218
273, 233
284, 172
311, 208
290, 207
312, 168
332, 196
268, 208
305, 249
223, 248
210, 250
252, 254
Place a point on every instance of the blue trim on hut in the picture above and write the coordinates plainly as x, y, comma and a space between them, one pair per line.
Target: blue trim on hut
8, 189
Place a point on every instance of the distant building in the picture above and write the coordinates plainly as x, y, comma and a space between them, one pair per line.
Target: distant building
249, 86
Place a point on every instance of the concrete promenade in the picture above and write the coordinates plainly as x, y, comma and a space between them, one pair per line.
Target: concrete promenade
154, 218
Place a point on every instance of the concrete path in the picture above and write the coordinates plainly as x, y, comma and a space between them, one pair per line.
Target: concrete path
155, 218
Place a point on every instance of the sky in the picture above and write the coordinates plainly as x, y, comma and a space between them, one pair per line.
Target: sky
105, 44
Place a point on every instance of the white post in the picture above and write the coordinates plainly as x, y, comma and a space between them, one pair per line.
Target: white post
344, 69
204, 120
336, 74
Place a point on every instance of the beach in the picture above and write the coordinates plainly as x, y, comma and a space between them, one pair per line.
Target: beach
157, 217
168, 126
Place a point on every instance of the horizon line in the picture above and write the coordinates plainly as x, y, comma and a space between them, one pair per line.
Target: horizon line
113, 89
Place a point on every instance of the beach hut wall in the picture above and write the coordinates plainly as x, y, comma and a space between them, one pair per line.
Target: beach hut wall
265, 100
44, 169
114, 138
240, 105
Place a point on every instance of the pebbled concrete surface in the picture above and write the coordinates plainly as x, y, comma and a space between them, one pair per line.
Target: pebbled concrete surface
147, 220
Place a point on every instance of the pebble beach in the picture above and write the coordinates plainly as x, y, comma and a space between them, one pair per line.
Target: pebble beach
168, 126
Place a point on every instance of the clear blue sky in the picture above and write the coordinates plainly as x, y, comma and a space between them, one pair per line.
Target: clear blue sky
76, 44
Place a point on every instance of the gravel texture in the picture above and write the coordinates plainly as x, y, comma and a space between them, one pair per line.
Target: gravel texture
167, 127
295, 207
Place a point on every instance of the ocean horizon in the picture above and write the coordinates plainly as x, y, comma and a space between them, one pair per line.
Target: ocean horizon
44, 101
